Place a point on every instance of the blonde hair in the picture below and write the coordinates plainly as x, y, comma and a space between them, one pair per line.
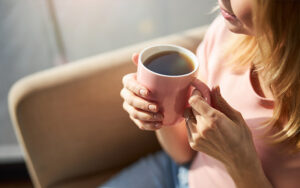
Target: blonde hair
274, 51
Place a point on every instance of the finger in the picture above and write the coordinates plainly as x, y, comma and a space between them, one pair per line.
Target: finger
200, 137
148, 126
129, 81
221, 104
198, 117
138, 102
189, 117
142, 115
200, 105
204, 126
203, 88
135, 58
190, 122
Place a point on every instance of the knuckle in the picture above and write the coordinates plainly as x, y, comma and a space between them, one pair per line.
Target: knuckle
140, 126
141, 104
205, 132
130, 101
126, 94
193, 145
198, 138
208, 132
122, 93
145, 106
127, 108
147, 117
149, 126
125, 79
137, 103
131, 118
212, 123
213, 114
129, 83
136, 88
134, 115
124, 106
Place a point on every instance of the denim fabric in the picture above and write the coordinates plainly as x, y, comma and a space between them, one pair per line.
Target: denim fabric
180, 175
154, 171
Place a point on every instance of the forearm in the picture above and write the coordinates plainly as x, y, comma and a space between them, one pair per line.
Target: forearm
249, 177
174, 141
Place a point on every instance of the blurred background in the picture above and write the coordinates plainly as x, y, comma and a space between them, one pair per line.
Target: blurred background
39, 34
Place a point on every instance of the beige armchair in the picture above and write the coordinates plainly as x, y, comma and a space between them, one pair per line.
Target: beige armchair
70, 122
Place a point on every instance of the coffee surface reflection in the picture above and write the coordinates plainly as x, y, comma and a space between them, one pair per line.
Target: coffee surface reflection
169, 63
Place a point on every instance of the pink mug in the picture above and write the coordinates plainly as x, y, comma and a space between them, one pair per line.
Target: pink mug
170, 92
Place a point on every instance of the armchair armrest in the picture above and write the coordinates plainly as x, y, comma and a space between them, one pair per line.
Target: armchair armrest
70, 122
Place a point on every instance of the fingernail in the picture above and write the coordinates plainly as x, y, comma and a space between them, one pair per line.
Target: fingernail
152, 108
143, 92
191, 100
197, 92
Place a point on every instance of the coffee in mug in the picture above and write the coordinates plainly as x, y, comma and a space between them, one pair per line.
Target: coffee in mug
170, 63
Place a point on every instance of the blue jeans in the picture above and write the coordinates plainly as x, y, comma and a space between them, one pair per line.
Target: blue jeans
154, 171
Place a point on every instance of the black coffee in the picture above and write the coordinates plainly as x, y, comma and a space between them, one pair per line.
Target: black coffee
170, 63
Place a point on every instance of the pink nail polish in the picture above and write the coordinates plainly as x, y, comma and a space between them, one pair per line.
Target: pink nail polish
152, 108
143, 92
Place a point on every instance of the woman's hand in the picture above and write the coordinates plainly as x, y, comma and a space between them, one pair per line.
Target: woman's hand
145, 114
220, 132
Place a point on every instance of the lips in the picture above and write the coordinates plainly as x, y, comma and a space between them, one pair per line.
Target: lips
227, 15
227, 12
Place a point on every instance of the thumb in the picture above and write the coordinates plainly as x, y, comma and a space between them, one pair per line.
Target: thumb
203, 88
135, 58
221, 104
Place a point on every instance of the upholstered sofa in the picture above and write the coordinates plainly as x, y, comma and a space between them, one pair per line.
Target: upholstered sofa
70, 122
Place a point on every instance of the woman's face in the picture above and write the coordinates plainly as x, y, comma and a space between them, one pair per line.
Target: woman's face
238, 15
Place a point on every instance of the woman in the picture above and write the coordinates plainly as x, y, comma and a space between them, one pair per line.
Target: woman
249, 135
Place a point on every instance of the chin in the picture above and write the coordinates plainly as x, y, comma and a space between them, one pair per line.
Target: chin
237, 28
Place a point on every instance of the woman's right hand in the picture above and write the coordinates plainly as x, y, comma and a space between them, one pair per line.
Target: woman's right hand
145, 114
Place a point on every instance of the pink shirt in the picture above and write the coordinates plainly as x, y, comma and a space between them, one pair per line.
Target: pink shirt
282, 170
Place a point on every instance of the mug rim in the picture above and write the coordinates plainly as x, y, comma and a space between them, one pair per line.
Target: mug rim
176, 48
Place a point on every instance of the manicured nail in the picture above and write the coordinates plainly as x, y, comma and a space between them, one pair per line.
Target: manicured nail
143, 92
152, 108
198, 93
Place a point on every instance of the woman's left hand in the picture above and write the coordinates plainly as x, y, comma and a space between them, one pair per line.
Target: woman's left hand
220, 131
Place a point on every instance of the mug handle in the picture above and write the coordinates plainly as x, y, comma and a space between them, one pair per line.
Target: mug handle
204, 89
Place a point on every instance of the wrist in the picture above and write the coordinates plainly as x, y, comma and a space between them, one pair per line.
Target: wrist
251, 175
